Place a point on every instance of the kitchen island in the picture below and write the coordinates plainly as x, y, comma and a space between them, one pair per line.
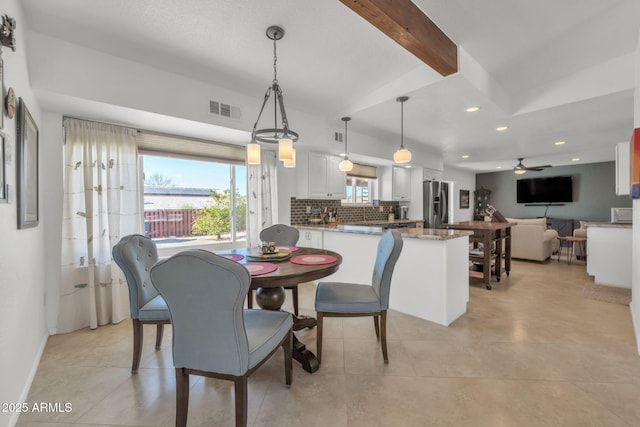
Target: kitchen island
430, 279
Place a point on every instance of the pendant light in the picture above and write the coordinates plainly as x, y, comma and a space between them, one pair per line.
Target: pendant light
402, 155
345, 165
292, 162
283, 136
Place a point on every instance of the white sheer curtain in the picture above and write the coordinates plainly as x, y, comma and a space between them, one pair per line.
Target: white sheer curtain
262, 199
101, 204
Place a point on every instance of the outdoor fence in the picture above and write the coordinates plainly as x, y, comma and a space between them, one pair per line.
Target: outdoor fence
169, 222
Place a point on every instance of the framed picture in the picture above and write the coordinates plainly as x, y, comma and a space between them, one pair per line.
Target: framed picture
464, 199
634, 164
3, 173
27, 168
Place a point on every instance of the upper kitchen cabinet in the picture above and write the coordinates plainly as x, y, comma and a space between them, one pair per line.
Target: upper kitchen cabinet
326, 181
401, 184
395, 183
431, 174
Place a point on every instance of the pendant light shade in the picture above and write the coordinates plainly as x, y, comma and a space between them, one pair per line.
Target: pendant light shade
283, 136
292, 162
402, 155
285, 149
253, 153
345, 165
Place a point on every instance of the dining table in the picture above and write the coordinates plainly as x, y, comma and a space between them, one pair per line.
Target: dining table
270, 275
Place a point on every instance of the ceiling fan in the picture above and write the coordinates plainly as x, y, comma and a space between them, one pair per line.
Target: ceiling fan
520, 168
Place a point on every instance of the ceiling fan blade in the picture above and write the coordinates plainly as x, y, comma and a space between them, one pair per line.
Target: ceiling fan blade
538, 168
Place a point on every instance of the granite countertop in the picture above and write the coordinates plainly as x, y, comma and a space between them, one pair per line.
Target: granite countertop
413, 233
609, 224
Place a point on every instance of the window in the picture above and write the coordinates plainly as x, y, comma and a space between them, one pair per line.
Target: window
194, 203
358, 190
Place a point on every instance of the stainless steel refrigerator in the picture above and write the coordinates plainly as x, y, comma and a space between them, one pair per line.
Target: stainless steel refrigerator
438, 203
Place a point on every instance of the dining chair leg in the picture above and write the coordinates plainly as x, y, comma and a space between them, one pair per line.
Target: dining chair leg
383, 333
159, 332
241, 400
294, 293
182, 397
287, 346
319, 317
250, 299
376, 325
137, 345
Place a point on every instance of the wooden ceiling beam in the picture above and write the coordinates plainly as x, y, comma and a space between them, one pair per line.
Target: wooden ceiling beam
405, 23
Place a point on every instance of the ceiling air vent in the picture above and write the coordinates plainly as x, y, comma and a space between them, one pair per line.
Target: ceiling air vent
337, 136
224, 110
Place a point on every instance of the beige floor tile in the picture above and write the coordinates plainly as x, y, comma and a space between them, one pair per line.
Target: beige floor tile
530, 352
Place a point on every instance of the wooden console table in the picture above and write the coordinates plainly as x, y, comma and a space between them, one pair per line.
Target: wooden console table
489, 233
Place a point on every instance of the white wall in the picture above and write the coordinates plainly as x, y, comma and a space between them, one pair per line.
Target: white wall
464, 180
635, 273
23, 331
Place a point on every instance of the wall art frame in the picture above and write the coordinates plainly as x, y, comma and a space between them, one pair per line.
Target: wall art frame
464, 199
27, 168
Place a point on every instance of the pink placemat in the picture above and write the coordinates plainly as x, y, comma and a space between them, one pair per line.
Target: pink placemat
288, 248
258, 268
313, 259
233, 257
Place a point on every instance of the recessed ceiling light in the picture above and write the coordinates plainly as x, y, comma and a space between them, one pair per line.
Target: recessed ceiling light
575, 159
498, 167
559, 143
472, 109
408, 166
465, 156
501, 128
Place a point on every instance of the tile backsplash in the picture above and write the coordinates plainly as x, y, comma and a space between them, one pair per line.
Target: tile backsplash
299, 215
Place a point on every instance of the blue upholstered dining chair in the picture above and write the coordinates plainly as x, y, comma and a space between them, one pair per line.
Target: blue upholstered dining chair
335, 299
281, 235
135, 255
212, 335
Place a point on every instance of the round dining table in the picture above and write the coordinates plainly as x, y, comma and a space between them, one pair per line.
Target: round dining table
270, 294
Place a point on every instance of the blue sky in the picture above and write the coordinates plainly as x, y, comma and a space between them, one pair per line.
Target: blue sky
192, 173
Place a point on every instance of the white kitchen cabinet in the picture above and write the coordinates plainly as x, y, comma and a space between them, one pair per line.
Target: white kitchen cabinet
401, 184
311, 239
609, 255
622, 168
431, 174
326, 181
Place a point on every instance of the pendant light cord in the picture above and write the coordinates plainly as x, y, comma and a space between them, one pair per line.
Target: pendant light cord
401, 124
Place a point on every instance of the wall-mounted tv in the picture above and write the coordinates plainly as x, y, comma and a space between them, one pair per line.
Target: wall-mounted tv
553, 189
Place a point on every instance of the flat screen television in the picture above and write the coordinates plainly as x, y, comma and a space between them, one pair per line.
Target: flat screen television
553, 189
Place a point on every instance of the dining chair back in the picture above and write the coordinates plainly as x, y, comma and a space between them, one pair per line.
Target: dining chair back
337, 299
135, 255
281, 235
212, 335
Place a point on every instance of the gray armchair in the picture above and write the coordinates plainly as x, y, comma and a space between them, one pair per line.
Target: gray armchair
281, 235
212, 335
135, 255
335, 299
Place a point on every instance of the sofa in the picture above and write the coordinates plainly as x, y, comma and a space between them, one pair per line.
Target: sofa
532, 240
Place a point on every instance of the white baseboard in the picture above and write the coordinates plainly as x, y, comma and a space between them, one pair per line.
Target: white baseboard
32, 374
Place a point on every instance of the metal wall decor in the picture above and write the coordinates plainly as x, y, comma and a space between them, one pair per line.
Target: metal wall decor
6, 32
